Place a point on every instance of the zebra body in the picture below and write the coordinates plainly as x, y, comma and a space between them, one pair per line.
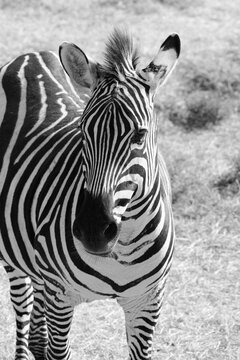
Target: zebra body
85, 197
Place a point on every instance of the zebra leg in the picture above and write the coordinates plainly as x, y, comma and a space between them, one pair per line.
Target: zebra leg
59, 313
38, 337
21, 292
141, 315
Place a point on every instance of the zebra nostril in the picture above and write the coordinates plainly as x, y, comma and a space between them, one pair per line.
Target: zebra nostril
111, 231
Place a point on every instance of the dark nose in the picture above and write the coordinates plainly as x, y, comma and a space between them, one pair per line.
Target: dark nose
111, 230
105, 233
95, 225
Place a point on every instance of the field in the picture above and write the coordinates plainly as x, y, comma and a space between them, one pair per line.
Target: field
199, 136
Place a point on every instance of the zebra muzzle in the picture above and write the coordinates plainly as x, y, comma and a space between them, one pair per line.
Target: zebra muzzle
95, 226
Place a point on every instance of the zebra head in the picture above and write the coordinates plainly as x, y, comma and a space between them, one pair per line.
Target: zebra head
118, 129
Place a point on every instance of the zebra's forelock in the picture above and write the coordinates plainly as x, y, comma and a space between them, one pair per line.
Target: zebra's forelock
121, 56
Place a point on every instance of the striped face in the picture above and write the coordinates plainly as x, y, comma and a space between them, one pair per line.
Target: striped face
118, 130
115, 126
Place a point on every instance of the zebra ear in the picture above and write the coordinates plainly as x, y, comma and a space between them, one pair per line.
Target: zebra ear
164, 62
79, 68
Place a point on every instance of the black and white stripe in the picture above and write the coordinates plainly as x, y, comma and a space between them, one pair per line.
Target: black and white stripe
85, 197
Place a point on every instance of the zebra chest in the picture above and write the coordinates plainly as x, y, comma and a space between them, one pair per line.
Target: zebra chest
137, 262
83, 277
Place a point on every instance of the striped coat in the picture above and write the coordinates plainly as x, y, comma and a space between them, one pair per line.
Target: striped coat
85, 196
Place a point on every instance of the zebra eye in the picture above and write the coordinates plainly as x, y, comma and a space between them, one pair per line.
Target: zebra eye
139, 136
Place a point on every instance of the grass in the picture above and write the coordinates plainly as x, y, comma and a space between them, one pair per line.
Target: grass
201, 314
200, 110
228, 184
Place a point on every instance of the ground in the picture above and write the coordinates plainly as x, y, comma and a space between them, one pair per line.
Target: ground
199, 131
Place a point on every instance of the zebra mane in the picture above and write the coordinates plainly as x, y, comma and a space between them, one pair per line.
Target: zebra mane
120, 56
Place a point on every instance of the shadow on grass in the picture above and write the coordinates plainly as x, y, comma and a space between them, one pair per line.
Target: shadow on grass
205, 96
228, 184
200, 110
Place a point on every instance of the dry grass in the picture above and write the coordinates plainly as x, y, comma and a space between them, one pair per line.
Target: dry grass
201, 315
203, 304
201, 109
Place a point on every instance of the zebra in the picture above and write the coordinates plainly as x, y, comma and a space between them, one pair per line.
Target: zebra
85, 194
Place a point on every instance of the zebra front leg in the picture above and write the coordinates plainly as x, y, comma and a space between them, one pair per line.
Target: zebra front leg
59, 313
141, 315
38, 336
21, 292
